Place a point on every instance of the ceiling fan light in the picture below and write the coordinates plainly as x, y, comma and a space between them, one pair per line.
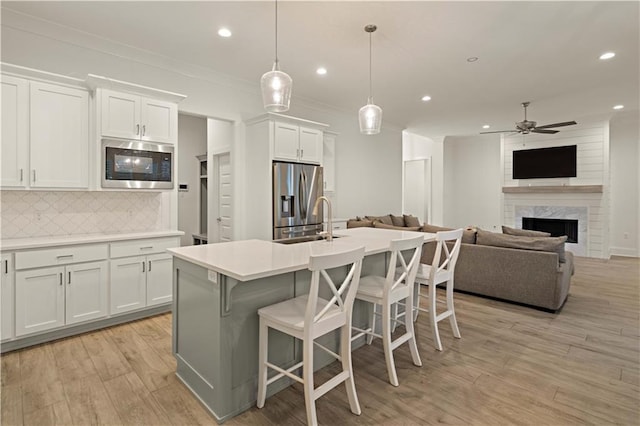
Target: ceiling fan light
276, 90
370, 118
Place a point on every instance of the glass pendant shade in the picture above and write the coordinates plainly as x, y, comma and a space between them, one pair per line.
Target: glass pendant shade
370, 117
276, 89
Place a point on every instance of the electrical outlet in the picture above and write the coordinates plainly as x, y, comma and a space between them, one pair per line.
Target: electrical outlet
130, 213
38, 217
626, 235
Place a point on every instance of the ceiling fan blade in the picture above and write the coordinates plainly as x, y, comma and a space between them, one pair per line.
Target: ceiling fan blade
499, 131
550, 132
564, 123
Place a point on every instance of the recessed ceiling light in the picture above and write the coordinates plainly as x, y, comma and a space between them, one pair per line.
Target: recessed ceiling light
321, 71
618, 107
486, 126
472, 59
224, 32
607, 55
426, 98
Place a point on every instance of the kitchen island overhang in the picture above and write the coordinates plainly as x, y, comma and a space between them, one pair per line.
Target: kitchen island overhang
218, 289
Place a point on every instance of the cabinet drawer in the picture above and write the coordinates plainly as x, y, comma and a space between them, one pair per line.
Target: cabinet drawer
60, 256
138, 247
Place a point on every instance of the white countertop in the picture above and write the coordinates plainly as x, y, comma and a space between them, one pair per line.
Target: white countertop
252, 259
67, 240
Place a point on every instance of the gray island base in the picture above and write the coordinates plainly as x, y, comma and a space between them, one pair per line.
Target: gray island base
218, 289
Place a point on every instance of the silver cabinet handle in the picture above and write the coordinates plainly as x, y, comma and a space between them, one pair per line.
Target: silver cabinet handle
6, 266
60, 278
149, 266
34, 175
21, 178
69, 282
137, 129
146, 248
64, 256
297, 153
143, 266
144, 129
301, 153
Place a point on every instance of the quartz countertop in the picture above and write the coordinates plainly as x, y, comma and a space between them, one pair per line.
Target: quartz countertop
252, 259
67, 240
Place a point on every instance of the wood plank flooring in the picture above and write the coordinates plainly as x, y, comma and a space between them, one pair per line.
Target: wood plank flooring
513, 365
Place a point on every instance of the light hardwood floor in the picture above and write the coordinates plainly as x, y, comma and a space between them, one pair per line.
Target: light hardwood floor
513, 365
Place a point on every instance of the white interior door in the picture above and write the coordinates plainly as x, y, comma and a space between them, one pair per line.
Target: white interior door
225, 199
416, 189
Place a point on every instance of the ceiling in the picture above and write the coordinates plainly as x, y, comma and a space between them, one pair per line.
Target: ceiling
544, 52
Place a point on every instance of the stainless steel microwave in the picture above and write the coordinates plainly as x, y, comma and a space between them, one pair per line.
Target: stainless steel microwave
137, 165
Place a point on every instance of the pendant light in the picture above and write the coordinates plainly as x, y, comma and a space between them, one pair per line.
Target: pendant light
370, 115
275, 84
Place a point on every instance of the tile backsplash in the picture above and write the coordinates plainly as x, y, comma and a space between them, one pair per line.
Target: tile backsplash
40, 214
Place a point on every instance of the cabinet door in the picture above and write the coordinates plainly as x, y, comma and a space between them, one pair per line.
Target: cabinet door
159, 121
310, 145
86, 292
329, 162
128, 287
159, 279
120, 115
15, 132
59, 130
39, 300
285, 142
6, 297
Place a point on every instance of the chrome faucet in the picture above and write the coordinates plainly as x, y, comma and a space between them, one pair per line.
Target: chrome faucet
329, 214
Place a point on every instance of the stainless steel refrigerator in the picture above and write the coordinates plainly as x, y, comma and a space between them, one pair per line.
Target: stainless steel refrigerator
295, 190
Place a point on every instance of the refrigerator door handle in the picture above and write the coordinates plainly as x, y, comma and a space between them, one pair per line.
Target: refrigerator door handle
302, 194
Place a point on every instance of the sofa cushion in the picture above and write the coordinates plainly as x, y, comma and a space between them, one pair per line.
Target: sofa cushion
359, 223
468, 235
397, 220
399, 228
410, 220
384, 219
550, 244
524, 232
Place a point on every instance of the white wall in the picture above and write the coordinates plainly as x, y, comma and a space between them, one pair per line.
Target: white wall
416, 147
624, 141
368, 168
192, 137
472, 184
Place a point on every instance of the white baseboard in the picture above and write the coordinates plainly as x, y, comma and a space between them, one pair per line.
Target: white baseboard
622, 251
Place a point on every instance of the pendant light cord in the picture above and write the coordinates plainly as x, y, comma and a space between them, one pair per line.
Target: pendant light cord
370, 78
276, 31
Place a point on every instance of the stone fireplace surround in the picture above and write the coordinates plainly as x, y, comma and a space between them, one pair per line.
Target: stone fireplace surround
581, 214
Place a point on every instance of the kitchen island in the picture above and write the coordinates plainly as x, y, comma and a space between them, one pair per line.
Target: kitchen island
218, 289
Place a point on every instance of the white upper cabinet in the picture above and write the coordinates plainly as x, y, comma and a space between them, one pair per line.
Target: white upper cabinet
15, 132
129, 116
59, 136
297, 143
329, 162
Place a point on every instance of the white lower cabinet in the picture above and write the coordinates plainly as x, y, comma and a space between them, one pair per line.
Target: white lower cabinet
141, 281
6, 297
48, 298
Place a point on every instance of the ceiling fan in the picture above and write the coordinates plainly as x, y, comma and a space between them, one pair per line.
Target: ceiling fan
525, 127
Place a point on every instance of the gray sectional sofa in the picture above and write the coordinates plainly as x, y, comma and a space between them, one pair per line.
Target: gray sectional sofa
530, 269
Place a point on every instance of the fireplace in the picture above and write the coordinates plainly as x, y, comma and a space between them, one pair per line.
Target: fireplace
556, 227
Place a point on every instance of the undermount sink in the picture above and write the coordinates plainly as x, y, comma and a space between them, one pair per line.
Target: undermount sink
302, 239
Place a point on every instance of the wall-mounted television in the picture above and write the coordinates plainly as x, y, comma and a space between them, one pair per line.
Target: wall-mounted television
555, 162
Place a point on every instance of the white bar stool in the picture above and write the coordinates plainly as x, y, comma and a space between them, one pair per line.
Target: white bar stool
386, 291
441, 270
308, 317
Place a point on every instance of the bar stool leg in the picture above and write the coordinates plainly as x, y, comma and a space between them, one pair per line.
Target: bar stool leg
345, 355
373, 324
307, 377
263, 346
432, 317
409, 326
386, 342
452, 318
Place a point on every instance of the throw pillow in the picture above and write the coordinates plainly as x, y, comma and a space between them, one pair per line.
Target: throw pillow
363, 223
468, 235
399, 228
397, 220
410, 220
524, 232
384, 219
550, 244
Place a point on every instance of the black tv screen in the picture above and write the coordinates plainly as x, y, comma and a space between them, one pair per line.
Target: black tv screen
555, 162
